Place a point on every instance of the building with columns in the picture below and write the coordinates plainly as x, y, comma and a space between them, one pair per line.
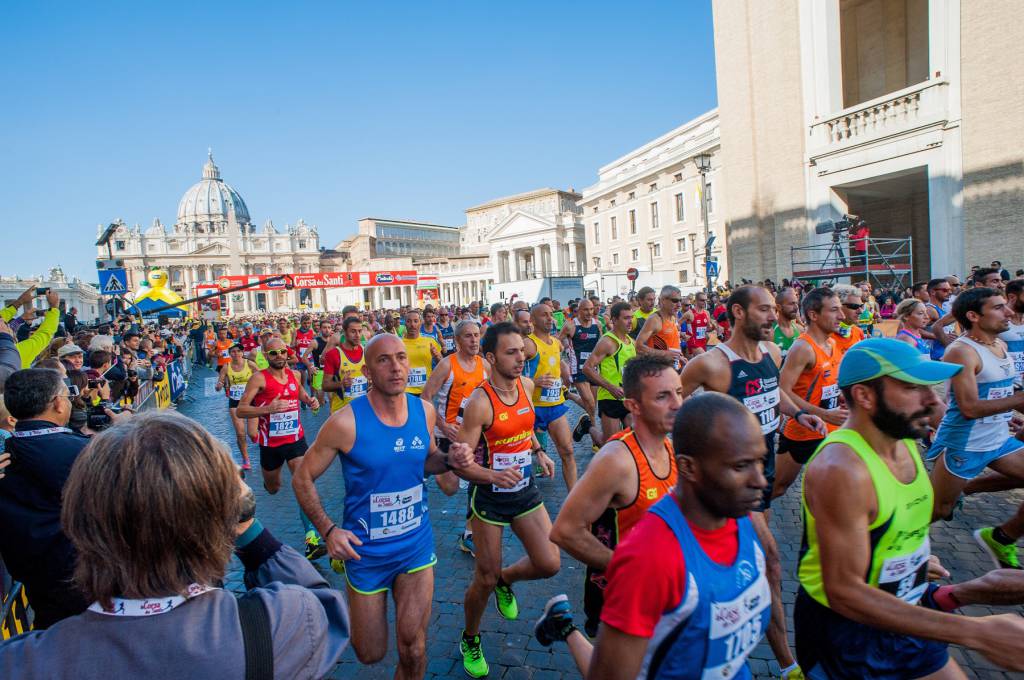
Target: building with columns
74, 293
645, 212
213, 236
899, 111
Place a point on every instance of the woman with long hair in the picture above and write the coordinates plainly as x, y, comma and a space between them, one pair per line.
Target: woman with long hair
913, 318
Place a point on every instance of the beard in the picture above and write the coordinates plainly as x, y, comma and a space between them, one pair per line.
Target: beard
898, 425
757, 331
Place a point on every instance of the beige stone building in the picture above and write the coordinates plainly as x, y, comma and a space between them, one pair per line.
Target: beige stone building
903, 112
645, 212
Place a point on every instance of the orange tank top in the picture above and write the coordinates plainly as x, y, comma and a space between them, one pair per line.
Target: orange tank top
667, 338
511, 429
818, 387
224, 351
463, 382
650, 488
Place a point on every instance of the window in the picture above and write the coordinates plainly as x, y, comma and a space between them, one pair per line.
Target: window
632, 221
679, 207
632, 195
595, 209
657, 250
708, 198
681, 245
597, 232
634, 254
654, 186
683, 276
302, 243
597, 263
654, 215
615, 229
678, 177
119, 245
615, 258
611, 203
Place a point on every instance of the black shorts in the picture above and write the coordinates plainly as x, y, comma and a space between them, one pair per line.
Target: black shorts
829, 644
769, 474
800, 449
444, 444
232, 403
501, 508
273, 457
612, 408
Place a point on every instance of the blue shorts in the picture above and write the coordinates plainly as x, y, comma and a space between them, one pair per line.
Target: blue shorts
545, 415
832, 647
376, 573
970, 464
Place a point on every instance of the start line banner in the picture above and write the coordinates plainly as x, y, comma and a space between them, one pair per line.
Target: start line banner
325, 280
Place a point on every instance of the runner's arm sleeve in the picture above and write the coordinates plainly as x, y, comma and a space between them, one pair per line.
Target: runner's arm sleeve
303, 608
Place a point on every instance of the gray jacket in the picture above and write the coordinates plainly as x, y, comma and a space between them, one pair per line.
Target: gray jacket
201, 639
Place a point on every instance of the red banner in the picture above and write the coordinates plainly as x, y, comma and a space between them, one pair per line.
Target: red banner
324, 280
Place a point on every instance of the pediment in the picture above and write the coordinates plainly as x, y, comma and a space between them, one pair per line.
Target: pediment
518, 224
210, 249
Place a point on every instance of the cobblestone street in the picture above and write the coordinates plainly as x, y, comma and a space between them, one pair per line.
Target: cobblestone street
509, 646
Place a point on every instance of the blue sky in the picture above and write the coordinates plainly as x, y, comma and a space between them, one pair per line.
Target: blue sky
325, 111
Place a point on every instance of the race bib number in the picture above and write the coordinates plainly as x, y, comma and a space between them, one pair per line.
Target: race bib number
236, 391
395, 513
702, 332
735, 630
357, 387
503, 461
766, 407
417, 377
830, 396
1018, 364
999, 393
449, 344
462, 410
284, 424
906, 576
552, 392
225, 353
583, 358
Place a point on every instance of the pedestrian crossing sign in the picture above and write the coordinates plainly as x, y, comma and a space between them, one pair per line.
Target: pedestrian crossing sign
113, 281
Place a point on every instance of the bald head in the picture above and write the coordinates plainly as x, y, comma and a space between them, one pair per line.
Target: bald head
385, 343
386, 364
542, 318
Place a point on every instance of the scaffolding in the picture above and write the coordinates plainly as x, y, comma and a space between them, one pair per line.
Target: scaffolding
885, 263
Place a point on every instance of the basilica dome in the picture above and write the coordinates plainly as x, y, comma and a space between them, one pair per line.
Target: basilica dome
211, 200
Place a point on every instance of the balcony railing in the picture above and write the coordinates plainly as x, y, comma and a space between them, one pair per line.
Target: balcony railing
892, 114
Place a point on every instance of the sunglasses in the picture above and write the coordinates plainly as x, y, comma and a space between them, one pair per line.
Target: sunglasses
674, 301
276, 352
851, 305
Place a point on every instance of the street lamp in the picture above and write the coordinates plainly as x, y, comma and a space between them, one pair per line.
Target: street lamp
703, 163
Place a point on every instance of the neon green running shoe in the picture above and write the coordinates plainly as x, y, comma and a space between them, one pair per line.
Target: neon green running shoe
314, 548
506, 602
338, 566
473, 661
1003, 556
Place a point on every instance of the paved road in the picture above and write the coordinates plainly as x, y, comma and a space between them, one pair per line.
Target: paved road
510, 649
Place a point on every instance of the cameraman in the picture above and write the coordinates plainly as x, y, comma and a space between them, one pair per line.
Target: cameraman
153, 547
92, 410
42, 449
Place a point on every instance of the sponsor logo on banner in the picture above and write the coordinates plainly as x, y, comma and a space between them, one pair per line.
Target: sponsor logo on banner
384, 278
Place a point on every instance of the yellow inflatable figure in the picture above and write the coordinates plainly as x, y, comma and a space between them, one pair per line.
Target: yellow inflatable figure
155, 290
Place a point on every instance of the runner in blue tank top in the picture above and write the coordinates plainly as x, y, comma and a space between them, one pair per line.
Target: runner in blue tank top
387, 448
701, 607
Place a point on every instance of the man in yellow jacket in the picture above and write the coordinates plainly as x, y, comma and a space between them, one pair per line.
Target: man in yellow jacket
30, 348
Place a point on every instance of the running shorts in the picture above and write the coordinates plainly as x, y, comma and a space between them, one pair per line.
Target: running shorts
502, 508
769, 474
232, 403
375, 573
832, 647
273, 457
545, 415
581, 377
800, 449
970, 464
612, 408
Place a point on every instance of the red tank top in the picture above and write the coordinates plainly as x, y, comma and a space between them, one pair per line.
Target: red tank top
278, 429
699, 330
303, 339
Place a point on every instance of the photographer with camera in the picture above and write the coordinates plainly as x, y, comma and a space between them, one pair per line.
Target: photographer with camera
153, 548
42, 449
92, 409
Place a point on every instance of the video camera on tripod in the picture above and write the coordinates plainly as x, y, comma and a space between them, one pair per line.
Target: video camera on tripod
837, 227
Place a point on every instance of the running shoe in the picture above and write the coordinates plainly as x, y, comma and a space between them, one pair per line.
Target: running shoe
506, 602
473, 661
246, 465
582, 427
314, 548
795, 673
338, 566
466, 544
1003, 556
556, 621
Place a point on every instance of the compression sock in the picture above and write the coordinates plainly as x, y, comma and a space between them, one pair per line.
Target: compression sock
307, 525
1000, 536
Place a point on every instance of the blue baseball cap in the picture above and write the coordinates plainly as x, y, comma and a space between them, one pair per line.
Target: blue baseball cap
877, 357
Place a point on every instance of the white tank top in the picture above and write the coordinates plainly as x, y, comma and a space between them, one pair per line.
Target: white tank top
1014, 339
995, 381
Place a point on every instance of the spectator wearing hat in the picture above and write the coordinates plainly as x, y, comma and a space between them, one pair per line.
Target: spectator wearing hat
73, 356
